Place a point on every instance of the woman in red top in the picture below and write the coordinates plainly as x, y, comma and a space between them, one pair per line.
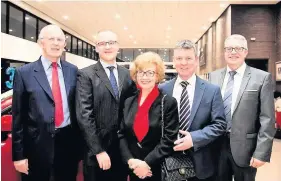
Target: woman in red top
141, 142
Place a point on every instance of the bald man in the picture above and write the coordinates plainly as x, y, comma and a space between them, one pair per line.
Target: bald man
101, 91
44, 121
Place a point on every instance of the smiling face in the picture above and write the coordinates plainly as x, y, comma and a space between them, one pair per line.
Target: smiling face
147, 77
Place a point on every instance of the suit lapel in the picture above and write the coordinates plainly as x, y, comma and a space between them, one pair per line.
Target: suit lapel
244, 83
66, 76
198, 94
170, 87
41, 77
121, 77
102, 75
221, 78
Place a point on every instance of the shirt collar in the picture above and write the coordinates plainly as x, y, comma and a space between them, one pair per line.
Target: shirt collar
105, 65
191, 80
240, 70
47, 63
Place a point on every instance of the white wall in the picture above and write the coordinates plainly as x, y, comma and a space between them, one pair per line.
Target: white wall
23, 50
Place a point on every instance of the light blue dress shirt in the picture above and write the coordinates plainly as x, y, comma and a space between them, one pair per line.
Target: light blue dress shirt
47, 64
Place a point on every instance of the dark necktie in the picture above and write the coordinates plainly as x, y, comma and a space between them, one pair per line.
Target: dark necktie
113, 82
57, 95
227, 98
184, 108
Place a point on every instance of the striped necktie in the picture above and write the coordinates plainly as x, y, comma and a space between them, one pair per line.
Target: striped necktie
184, 108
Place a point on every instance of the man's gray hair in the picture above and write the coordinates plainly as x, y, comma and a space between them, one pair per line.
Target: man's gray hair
186, 44
238, 37
45, 29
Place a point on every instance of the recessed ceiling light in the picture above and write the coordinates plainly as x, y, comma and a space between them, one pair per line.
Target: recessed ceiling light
168, 36
135, 42
94, 36
27, 18
169, 28
131, 36
65, 17
117, 16
10, 30
125, 28
165, 49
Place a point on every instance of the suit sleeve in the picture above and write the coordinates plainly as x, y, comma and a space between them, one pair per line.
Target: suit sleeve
267, 121
124, 149
85, 113
19, 112
216, 127
171, 128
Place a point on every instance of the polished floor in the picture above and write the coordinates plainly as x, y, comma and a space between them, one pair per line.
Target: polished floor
272, 171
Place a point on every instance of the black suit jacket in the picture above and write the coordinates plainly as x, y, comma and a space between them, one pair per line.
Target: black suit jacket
152, 148
33, 111
97, 108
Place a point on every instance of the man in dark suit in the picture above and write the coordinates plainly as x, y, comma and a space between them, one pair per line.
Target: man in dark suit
101, 91
249, 109
44, 129
201, 111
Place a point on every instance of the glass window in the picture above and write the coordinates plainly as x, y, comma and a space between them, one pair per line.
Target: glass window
80, 48
85, 48
127, 54
16, 22
68, 42
138, 51
151, 50
30, 27
89, 51
171, 55
164, 54
41, 24
3, 17
119, 54
95, 56
74, 45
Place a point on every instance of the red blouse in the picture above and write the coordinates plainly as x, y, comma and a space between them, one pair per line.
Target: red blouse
141, 122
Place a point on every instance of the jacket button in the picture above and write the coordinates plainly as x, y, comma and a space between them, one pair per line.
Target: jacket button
52, 119
52, 135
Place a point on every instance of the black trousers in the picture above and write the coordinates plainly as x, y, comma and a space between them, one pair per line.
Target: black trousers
227, 167
197, 179
65, 163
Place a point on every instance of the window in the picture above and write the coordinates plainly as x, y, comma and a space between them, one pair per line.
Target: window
74, 45
41, 24
95, 56
89, 51
68, 42
80, 48
164, 54
30, 28
16, 22
127, 55
3, 17
138, 51
85, 48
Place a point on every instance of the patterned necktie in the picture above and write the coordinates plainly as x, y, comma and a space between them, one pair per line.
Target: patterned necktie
227, 98
57, 95
184, 108
113, 82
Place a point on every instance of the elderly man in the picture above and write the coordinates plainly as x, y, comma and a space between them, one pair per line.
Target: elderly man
44, 121
249, 108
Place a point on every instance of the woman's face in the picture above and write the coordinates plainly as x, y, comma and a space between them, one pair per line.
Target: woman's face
147, 77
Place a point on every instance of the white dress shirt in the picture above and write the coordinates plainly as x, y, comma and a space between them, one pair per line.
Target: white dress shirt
190, 90
236, 85
107, 71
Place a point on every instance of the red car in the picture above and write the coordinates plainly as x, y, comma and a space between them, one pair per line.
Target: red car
8, 172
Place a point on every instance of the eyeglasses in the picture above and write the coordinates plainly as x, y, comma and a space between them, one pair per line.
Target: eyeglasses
237, 49
105, 43
148, 73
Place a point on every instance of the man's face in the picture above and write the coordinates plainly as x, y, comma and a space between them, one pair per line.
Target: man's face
185, 62
234, 53
53, 43
107, 46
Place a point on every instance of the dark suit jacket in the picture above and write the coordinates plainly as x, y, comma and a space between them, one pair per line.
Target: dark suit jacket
33, 111
207, 123
252, 129
152, 148
98, 110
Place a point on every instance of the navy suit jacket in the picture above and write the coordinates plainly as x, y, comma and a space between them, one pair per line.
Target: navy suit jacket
33, 107
207, 123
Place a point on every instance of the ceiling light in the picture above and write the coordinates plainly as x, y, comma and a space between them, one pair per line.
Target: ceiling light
125, 28
27, 18
139, 49
131, 36
169, 28
117, 16
32, 37
10, 30
135, 42
165, 49
94, 36
168, 36
65, 17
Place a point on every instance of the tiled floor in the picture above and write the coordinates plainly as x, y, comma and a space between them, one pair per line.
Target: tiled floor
272, 171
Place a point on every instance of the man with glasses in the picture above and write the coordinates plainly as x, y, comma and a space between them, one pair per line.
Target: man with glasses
201, 113
101, 91
45, 135
249, 109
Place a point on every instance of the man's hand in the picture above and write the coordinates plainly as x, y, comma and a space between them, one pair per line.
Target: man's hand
133, 163
183, 143
21, 166
103, 160
256, 163
143, 170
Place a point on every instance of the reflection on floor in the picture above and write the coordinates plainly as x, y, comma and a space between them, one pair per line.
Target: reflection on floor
272, 171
